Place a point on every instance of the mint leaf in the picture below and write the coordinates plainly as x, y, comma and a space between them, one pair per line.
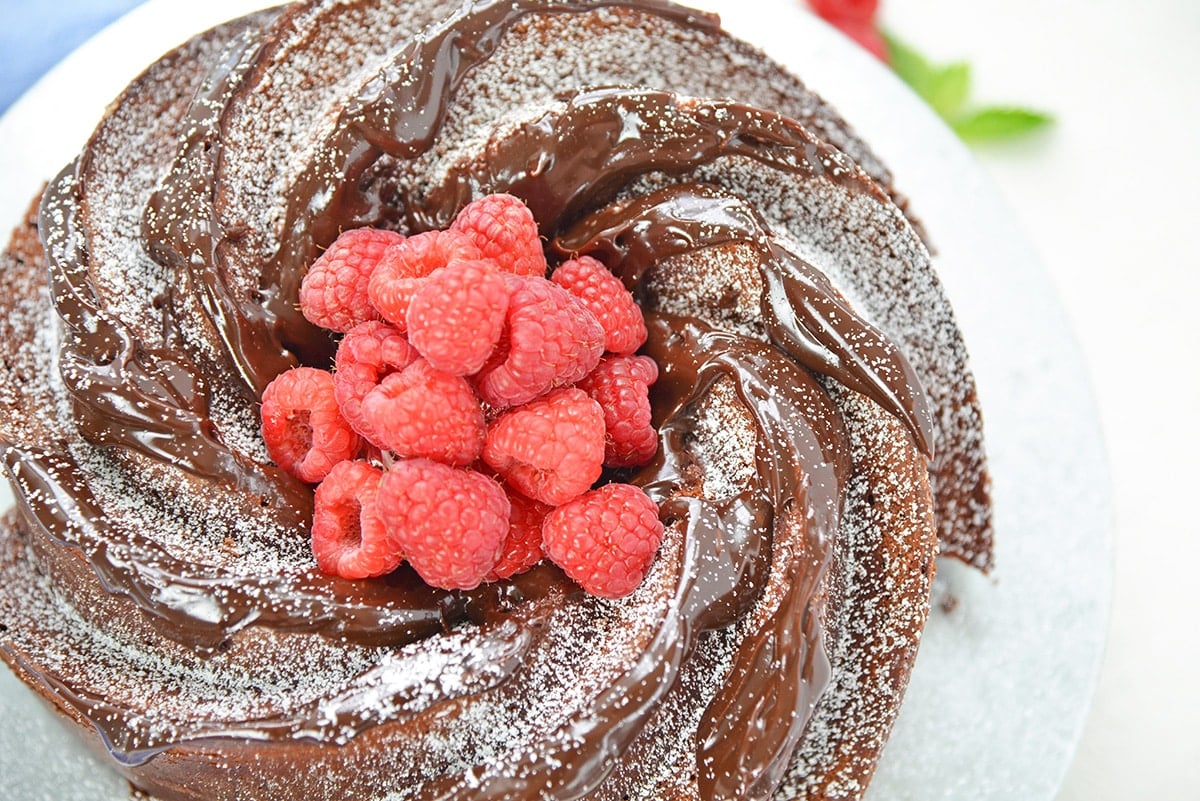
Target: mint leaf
943, 88
948, 89
999, 122
912, 67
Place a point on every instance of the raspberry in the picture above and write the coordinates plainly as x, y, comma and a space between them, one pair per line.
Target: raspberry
456, 316
866, 35
605, 540
367, 353
552, 449
422, 412
607, 298
348, 535
619, 384
858, 10
523, 544
402, 267
856, 19
552, 340
304, 431
450, 524
333, 293
505, 231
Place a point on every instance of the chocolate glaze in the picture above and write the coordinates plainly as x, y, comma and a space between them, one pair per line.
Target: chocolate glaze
726, 564
802, 465
202, 605
150, 400
398, 114
156, 404
179, 224
780, 668
802, 312
111, 377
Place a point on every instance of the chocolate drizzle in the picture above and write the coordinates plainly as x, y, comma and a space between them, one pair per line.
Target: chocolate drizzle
726, 566
399, 114
802, 312
203, 605
180, 226
756, 561
152, 401
802, 462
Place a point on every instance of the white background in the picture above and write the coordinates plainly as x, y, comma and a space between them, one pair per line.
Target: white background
1108, 199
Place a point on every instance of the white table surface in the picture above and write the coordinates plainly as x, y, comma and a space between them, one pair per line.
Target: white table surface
1107, 199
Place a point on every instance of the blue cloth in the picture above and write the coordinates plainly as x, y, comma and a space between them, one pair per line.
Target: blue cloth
34, 36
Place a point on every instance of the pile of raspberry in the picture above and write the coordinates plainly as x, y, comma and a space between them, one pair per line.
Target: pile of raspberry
473, 405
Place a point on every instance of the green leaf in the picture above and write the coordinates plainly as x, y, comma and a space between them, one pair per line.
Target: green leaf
1000, 122
948, 89
908, 64
945, 89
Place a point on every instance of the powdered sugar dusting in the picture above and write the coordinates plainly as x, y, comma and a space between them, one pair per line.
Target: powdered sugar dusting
877, 609
125, 160
322, 55
190, 523
725, 442
30, 326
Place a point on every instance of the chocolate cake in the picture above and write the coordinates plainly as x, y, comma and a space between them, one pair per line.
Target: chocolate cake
820, 439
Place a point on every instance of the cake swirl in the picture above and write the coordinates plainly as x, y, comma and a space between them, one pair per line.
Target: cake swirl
811, 369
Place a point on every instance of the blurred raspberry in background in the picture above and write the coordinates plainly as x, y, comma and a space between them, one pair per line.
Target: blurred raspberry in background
856, 19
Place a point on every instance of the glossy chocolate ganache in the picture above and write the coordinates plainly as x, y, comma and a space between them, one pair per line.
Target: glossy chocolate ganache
818, 427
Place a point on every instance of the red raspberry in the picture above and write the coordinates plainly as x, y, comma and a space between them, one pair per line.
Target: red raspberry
333, 293
856, 19
505, 231
523, 545
422, 412
619, 385
552, 449
860, 10
450, 524
348, 535
367, 353
607, 298
401, 268
456, 316
304, 431
605, 540
866, 35
552, 340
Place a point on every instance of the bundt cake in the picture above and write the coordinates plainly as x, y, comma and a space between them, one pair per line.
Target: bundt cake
819, 436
